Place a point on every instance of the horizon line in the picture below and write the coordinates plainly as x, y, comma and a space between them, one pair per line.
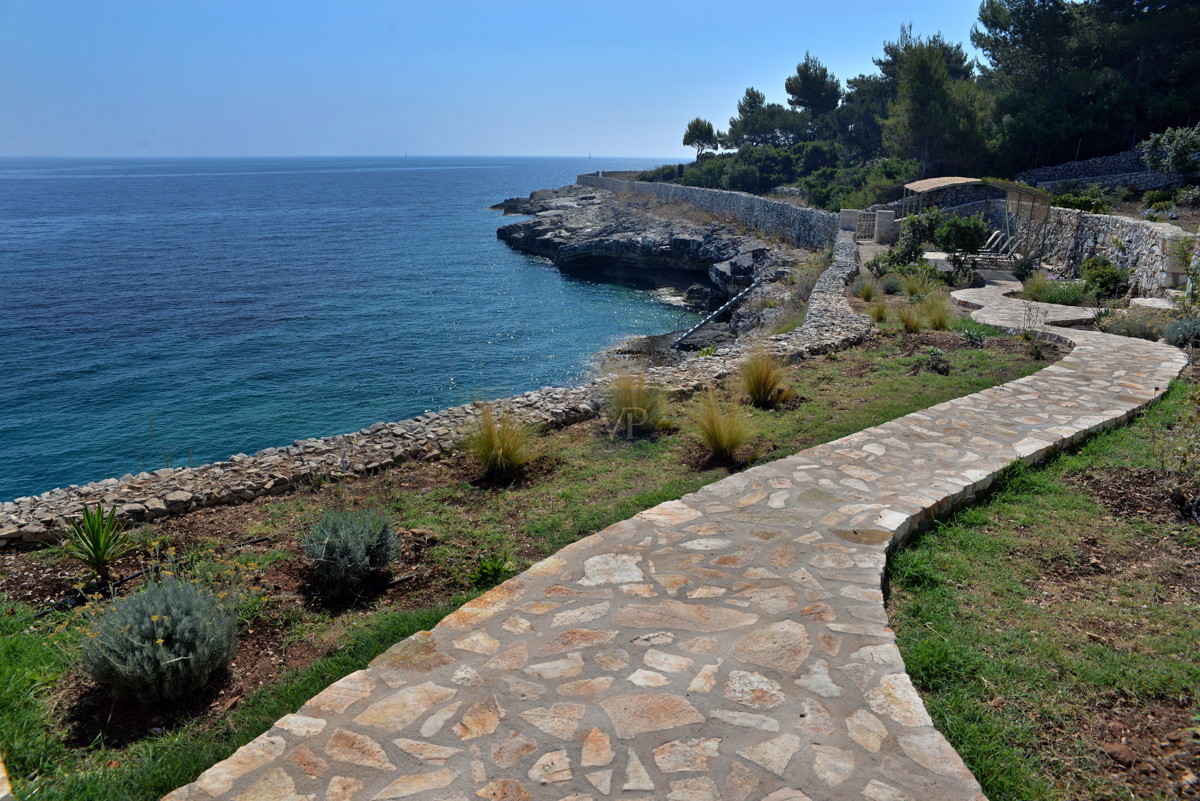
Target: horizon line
332, 155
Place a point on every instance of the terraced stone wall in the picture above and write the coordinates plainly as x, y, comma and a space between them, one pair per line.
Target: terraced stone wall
1119, 169
804, 228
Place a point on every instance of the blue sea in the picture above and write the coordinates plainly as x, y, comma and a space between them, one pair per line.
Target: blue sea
160, 312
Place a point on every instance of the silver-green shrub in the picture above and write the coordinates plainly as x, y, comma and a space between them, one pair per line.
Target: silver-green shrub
345, 547
161, 644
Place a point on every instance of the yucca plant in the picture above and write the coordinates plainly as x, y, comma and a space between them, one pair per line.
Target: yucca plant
911, 319
502, 443
97, 540
935, 308
723, 432
635, 406
762, 378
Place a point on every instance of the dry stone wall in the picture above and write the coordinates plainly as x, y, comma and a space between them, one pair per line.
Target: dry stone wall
1120, 169
805, 228
1144, 248
830, 324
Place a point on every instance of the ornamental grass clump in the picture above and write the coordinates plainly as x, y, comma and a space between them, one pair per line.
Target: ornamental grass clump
762, 378
635, 406
162, 644
911, 319
502, 443
345, 548
97, 540
878, 310
722, 432
935, 309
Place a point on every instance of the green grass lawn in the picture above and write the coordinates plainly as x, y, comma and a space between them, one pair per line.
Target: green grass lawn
1032, 621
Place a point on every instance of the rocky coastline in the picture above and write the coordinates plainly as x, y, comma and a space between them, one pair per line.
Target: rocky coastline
712, 250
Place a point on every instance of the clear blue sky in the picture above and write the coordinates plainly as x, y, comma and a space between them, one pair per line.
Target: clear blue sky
436, 77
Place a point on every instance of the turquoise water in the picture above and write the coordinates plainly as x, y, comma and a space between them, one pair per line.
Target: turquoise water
157, 311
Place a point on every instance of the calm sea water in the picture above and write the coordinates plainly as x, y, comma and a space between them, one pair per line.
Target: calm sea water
176, 310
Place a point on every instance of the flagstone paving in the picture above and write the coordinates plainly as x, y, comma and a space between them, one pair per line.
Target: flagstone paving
729, 646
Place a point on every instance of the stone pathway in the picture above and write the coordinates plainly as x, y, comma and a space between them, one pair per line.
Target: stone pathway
729, 646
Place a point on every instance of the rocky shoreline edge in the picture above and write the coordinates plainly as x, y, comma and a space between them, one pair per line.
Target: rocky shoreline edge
830, 324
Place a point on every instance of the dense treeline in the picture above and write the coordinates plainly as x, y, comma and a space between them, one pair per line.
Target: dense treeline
1059, 80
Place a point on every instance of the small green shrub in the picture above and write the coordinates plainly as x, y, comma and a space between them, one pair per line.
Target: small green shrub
1162, 206
973, 338
1139, 323
1103, 278
1156, 196
891, 284
1043, 289
1035, 350
162, 644
635, 406
1091, 200
935, 308
707, 350
344, 548
878, 310
97, 540
1024, 267
910, 318
762, 378
722, 432
502, 444
934, 360
1184, 333
864, 287
1189, 196
1101, 314
491, 570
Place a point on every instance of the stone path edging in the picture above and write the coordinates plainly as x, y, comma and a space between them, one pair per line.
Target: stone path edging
729, 646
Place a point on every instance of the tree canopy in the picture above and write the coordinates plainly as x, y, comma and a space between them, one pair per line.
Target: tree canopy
1058, 80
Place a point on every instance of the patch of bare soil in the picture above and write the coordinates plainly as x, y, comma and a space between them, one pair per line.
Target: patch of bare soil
1154, 750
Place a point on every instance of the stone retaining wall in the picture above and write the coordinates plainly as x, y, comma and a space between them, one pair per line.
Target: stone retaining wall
1144, 248
1119, 169
805, 228
829, 325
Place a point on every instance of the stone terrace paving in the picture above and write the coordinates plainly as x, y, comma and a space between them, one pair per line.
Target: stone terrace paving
729, 646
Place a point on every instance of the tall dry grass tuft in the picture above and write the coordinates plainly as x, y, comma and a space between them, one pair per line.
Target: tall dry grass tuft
878, 310
502, 443
635, 406
762, 378
723, 432
910, 318
935, 308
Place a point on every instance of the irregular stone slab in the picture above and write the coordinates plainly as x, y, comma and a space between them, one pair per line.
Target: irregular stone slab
774, 754
782, 646
508, 751
611, 568
414, 783
405, 706
753, 690
357, 749
551, 768
678, 756
635, 714
682, 616
597, 750
559, 720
